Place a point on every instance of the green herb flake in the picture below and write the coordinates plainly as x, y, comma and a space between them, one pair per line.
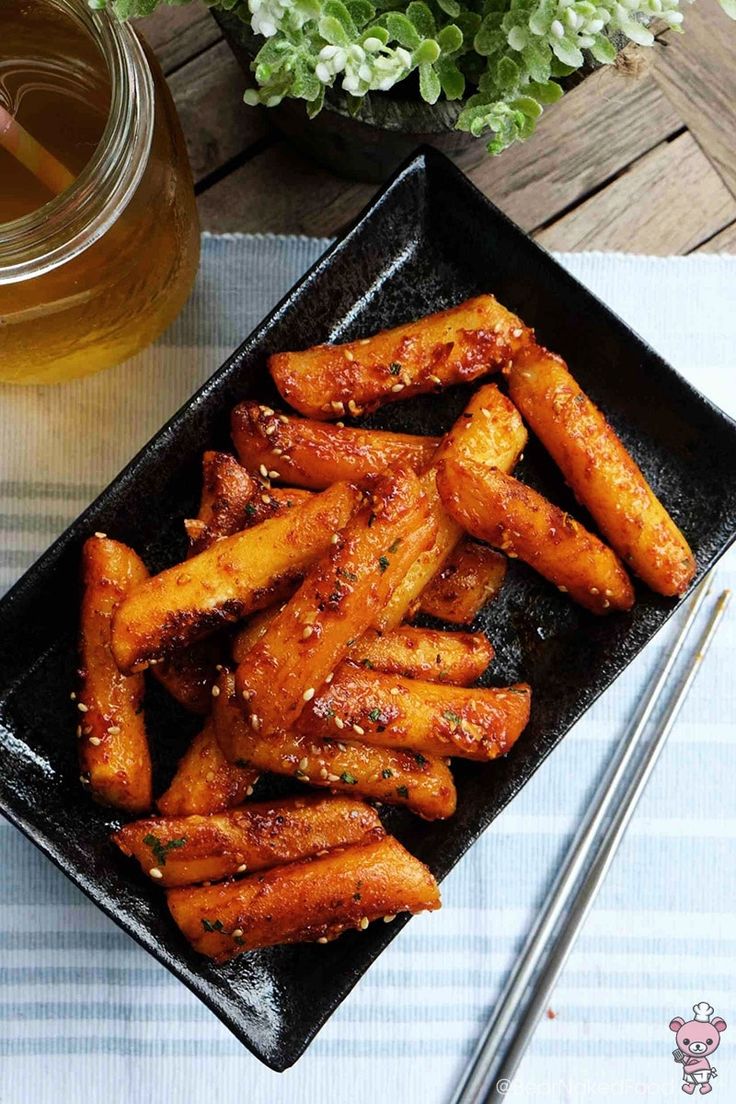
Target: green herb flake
375, 714
395, 545
367, 664
212, 925
420, 758
387, 773
371, 519
395, 368
402, 791
250, 510
348, 778
452, 717
383, 562
160, 849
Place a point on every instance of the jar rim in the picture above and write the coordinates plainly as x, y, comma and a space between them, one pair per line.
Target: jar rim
72, 221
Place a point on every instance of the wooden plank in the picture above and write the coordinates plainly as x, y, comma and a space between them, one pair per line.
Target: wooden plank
177, 34
697, 72
669, 201
725, 242
281, 192
597, 129
208, 93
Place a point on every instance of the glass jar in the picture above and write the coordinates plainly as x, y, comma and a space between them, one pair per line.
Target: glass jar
99, 271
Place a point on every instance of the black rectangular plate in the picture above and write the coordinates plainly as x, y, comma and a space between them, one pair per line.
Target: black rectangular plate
428, 241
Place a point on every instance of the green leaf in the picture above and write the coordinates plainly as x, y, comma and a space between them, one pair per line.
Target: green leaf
360, 11
530, 107
375, 31
305, 84
468, 23
315, 106
337, 10
537, 58
508, 74
604, 51
561, 70
490, 38
402, 30
451, 79
422, 18
450, 39
333, 32
568, 53
450, 7
427, 53
541, 18
547, 93
429, 84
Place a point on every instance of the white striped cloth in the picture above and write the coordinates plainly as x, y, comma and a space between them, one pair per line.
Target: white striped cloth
88, 1016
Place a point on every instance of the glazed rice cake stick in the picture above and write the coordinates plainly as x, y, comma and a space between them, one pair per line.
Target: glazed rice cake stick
205, 782
516, 519
314, 454
601, 472
184, 850
449, 657
315, 900
421, 783
472, 577
454, 346
389, 711
340, 598
234, 577
113, 746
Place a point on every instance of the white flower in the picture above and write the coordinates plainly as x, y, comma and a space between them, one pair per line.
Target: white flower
267, 16
364, 68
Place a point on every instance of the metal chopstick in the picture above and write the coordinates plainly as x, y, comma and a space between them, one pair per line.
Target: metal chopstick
493, 1063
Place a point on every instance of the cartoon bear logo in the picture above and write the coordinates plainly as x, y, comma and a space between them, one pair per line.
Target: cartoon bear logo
696, 1039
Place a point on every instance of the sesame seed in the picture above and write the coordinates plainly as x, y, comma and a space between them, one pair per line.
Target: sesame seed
95, 741
255, 721
84, 779
273, 475
210, 776
249, 791
359, 730
388, 919
264, 471
608, 593
265, 499
498, 327
437, 380
354, 408
335, 538
79, 731
73, 696
284, 419
329, 678
365, 341
241, 869
270, 428
594, 590
342, 746
338, 407
237, 933
605, 603
303, 763
516, 332
349, 355
101, 536
308, 694
364, 923
247, 695
215, 691
307, 632
340, 425
486, 413
265, 410
394, 691
333, 777
82, 707
323, 773
322, 939
155, 872
339, 723
563, 589
277, 451
397, 387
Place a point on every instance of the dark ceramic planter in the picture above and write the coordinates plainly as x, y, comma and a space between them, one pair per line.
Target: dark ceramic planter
370, 145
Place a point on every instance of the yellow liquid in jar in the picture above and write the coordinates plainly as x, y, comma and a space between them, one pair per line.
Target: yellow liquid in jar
118, 294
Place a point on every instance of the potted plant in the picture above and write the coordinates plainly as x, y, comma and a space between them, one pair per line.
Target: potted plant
378, 77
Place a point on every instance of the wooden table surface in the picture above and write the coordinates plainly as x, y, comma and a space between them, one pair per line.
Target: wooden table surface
641, 157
